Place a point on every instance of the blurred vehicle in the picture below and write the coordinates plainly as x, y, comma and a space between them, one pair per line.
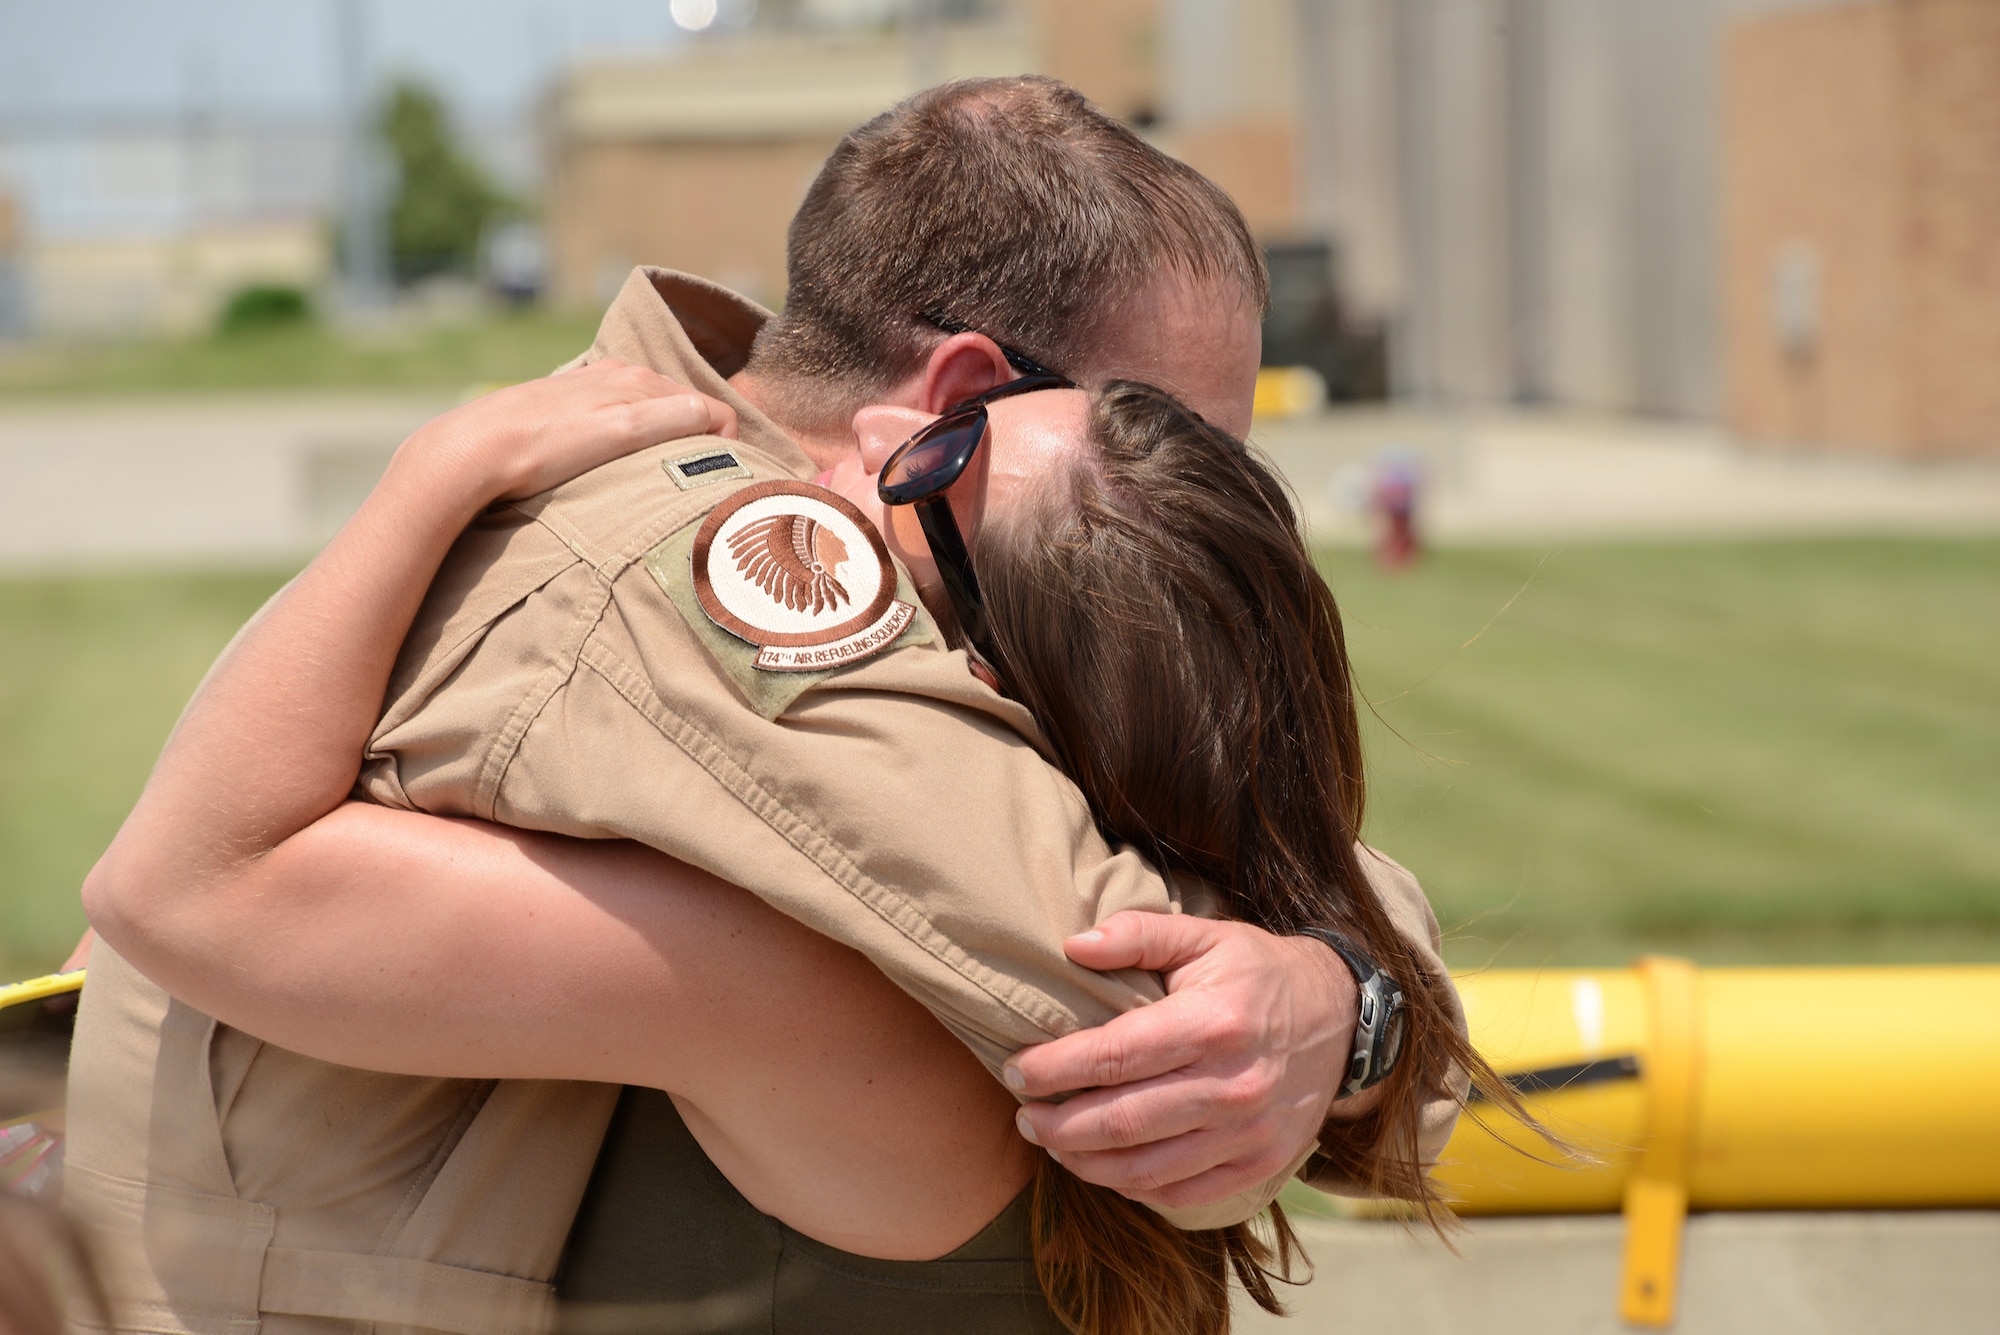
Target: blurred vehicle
1308, 325
514, 258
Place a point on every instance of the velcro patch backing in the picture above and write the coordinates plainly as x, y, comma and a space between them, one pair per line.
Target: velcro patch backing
714, 464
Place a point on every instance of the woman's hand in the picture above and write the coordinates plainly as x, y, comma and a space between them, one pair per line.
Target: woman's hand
522, 440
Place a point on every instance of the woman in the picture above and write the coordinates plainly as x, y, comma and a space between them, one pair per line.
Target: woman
853, 1120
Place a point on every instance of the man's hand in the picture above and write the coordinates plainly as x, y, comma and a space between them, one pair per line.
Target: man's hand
1210, 1091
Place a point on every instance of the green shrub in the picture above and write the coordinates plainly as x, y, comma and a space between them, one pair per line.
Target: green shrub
263, 306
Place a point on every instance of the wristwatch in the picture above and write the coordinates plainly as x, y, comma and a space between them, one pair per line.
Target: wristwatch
1378, 1017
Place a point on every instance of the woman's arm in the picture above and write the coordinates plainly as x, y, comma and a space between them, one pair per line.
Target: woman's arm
400, 941
830, 1098
273, 739
827, 1096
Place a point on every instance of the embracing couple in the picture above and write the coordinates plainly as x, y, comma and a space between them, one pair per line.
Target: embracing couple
904, 790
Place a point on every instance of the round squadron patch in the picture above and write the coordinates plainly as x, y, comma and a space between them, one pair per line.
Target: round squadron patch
799, 572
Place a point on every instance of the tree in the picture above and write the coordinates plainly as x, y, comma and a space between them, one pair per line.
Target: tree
443, 198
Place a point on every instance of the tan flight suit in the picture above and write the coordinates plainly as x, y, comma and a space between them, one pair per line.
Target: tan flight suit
560, 678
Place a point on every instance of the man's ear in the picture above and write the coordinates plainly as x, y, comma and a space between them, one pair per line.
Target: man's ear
962, 366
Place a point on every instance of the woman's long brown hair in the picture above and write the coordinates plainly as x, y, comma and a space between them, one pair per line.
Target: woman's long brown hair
1158, 612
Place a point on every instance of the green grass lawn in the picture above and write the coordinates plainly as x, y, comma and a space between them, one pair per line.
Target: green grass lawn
504, 348
93, 673
1771, 751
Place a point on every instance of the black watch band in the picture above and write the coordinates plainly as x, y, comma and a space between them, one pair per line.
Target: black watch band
1378, 1017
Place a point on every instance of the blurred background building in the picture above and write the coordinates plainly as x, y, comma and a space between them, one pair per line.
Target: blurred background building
1861, 182
1781, 215
129, 224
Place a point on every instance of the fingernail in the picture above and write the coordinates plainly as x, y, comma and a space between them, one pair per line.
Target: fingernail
1010, 1075
1025, 1127
1092, 935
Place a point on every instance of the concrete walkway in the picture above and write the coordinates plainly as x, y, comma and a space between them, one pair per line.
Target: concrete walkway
233, 480
1510, 477
1878, 1273
205, 480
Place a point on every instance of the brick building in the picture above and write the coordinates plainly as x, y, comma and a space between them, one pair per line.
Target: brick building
1862, 226
1521, 191
697, 157
1784, 214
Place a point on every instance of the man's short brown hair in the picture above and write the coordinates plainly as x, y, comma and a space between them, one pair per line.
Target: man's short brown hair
1009, 206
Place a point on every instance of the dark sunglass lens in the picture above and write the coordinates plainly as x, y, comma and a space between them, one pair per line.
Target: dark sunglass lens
934, 459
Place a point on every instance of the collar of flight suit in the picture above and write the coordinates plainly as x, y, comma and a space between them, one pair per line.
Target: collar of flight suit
698, 333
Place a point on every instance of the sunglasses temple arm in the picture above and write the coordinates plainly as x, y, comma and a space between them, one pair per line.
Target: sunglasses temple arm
955, 569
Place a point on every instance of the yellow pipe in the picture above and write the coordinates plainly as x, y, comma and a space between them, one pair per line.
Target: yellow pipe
1848, 1088
1810, 1088
1656, 1196
40, 989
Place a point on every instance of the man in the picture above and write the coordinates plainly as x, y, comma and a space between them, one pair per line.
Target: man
972, 233
1012, 209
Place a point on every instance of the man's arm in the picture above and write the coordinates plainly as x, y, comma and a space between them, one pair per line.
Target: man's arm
1218, 1088
1214, 1089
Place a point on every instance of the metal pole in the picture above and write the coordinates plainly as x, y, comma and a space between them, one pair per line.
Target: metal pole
1527, 195
1317, 153
926, 44
1413, 351
364, 242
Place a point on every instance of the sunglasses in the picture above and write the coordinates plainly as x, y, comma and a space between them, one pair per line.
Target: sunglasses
1017, 359
920, 472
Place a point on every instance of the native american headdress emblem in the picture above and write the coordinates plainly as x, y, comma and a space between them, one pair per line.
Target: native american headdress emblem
797, 571
792, 558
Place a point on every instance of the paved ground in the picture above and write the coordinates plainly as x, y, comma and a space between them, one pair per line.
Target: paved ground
1880, 1273
197, 480
251, 478
1532, 477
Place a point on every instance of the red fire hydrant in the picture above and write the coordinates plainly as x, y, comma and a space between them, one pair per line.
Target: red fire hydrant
1398, 487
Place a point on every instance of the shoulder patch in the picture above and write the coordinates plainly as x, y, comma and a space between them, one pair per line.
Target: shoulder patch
703, 467
785, 583
799, 572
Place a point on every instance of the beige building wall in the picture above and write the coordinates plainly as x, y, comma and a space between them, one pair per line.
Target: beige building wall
1348, 173
1231, 87
1523, 189
1110, 49
713, 208
1863, 227
1588, 340
1953, 55
697, 159
1454, 338
177, 284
